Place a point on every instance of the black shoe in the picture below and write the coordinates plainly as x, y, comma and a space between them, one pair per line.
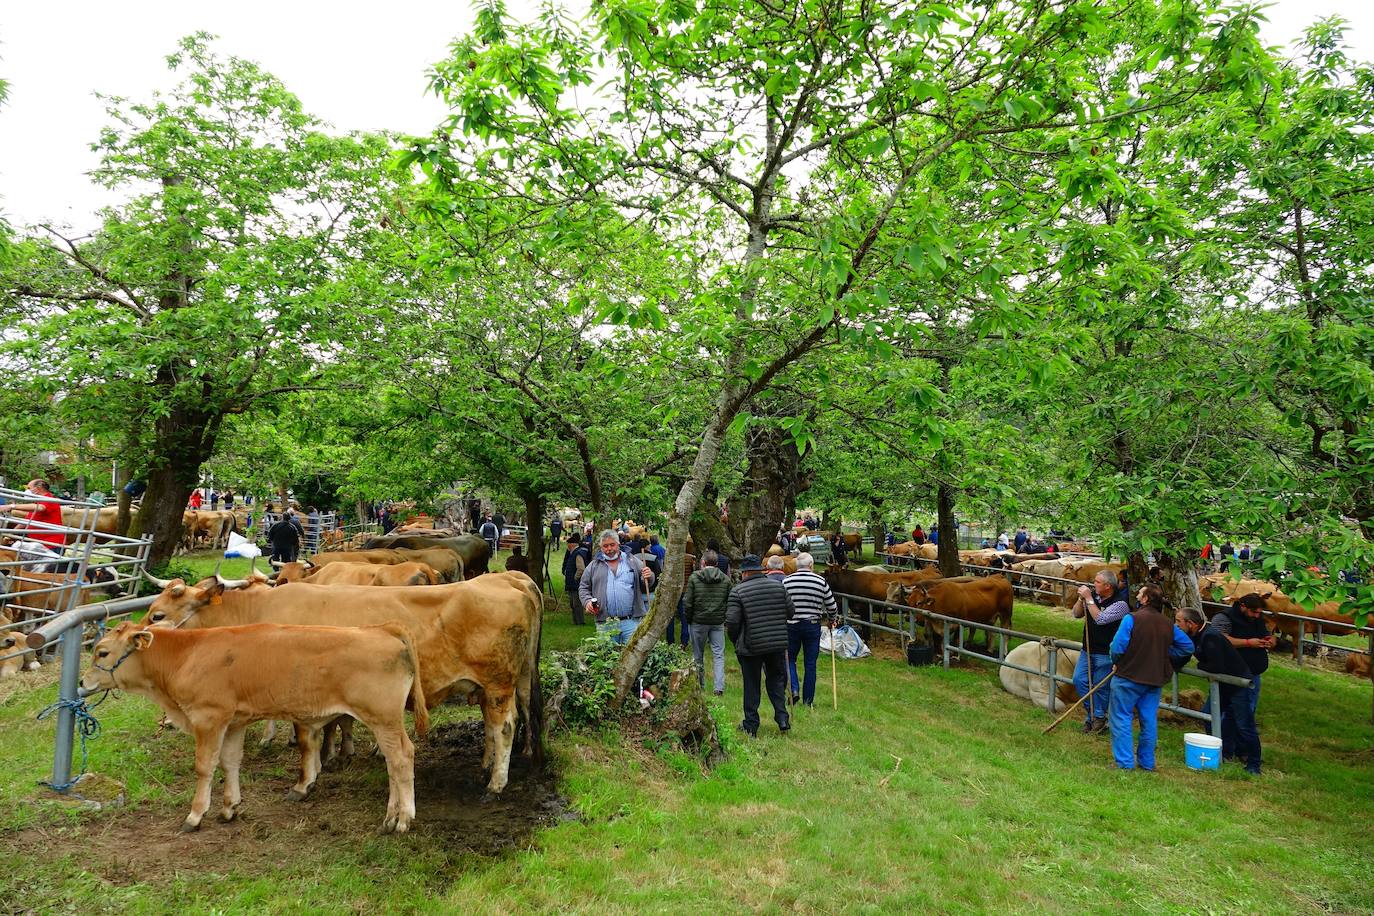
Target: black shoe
785, 727
720, 693
1101, 727
795, 699
1088, 727
747, 731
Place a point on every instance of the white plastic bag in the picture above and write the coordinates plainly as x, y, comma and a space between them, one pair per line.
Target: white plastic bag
847, 643
240, 546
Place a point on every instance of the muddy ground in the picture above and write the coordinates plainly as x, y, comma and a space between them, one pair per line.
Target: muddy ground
142, 843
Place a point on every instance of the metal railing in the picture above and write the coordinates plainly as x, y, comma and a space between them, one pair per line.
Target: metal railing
1316, 624
958, 647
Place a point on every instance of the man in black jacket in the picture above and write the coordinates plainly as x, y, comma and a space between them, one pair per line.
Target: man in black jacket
1215, 654
285, 538
756, 619
574, 561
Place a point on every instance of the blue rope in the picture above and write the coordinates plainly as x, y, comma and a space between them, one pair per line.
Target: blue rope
86, 727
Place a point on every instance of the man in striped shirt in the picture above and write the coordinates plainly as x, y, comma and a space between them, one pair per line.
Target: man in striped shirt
812, 598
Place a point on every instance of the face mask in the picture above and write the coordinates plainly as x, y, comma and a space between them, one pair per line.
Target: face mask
612, 553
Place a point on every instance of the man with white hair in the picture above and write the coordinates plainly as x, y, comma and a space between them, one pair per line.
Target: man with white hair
615, 587
773, 568
811, 600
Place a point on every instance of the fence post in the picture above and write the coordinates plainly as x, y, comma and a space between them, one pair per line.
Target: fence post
1214, 708
66, 718
1053, 667
1302, 635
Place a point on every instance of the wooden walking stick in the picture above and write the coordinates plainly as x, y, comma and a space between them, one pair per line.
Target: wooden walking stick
834, 684
1051, 727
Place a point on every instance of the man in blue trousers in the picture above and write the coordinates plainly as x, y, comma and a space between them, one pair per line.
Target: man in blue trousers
1144, 650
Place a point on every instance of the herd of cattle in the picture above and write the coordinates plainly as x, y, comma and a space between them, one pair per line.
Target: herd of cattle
408, 621
320, 644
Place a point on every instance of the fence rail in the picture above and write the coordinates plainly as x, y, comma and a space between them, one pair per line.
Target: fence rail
959, 647
1317, 624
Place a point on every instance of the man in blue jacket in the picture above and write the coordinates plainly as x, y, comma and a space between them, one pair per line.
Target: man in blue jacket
1145, 649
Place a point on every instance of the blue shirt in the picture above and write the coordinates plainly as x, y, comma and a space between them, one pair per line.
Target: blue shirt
620, 589
1181, 647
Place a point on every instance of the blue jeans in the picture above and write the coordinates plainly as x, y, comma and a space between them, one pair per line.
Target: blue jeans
804, 638
1128, 697
1239, 732
678, 624
620, 628
1102, 666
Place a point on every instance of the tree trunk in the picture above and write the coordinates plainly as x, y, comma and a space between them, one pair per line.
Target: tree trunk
183, 440
534, 534
705, 527
771, 486
670, 584
122, 501
360, 506
1180, 578
949, 532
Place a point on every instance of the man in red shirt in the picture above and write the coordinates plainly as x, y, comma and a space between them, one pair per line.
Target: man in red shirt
44, 509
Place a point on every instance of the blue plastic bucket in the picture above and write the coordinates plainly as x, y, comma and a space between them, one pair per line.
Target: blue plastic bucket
1202, 752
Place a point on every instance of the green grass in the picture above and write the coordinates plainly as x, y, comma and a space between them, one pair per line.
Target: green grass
984, 813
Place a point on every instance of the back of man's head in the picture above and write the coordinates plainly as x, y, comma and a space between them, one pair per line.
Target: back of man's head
710, 558
805, 561
774, 563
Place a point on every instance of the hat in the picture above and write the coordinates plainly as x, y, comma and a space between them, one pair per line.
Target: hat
750, 563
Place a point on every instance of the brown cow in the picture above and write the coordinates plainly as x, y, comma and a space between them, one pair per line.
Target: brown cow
975, 599
34, 594
1275, 600
872, 585
12, 644
366, 574
470, 548
444, 561
476, 638
1358, 665
215, 683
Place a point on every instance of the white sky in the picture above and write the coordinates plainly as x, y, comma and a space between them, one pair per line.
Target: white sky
356, 65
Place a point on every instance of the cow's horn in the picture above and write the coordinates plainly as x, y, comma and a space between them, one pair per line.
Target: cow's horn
232, 583
160, 583
277, 563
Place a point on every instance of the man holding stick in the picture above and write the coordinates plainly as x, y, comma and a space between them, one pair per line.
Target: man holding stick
1103, 606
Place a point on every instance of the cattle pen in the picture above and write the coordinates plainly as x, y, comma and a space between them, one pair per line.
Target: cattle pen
955, 644
1018, 578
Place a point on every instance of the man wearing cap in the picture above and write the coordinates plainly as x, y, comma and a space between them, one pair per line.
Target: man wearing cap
756, 619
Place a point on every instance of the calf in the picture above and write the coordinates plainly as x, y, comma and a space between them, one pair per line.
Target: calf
977, 600
214, 683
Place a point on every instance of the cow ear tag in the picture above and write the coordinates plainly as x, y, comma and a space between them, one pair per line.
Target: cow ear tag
218, 599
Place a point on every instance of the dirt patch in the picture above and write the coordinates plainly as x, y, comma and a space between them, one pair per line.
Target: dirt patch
142, 843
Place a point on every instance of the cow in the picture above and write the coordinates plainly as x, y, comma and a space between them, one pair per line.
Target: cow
478, 638
368, 574
977, 600
1035, 688
854, 543
105, 518
1275, 600
470, 548
215, 683
1083, 571
1358, 665
444, 561
36, 594
873, 586
12, 644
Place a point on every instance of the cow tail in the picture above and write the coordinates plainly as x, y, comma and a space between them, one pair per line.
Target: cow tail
536, 723
417, 690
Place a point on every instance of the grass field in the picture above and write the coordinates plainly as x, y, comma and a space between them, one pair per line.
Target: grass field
926, 789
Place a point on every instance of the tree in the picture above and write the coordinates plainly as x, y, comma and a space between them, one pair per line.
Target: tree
798, 128
200, 296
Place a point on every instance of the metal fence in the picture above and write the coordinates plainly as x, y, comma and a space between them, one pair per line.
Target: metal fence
314, 530
955, 643
1019, 581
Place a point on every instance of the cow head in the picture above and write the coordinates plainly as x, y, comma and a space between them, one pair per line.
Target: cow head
113, 652
897, 592
919, 597
179, 601
292, 572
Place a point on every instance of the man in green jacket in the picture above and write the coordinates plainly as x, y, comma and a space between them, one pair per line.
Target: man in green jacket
708, 590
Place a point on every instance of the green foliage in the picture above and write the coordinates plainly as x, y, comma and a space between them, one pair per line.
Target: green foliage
587, 696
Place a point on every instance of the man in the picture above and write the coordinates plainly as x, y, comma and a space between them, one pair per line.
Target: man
784, 540
1243, 626
615, 588
704, 604
575, 560
285, 538
658, 550
918, 535
1103, 606
556, 528
811, 600
499, 521
934, 534
45, 510
214, 500
722, 560
1022, 536
490, 533
1146, 650
517, 561
229, 500
756, 618
839, 553
773, 568
1215, 654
